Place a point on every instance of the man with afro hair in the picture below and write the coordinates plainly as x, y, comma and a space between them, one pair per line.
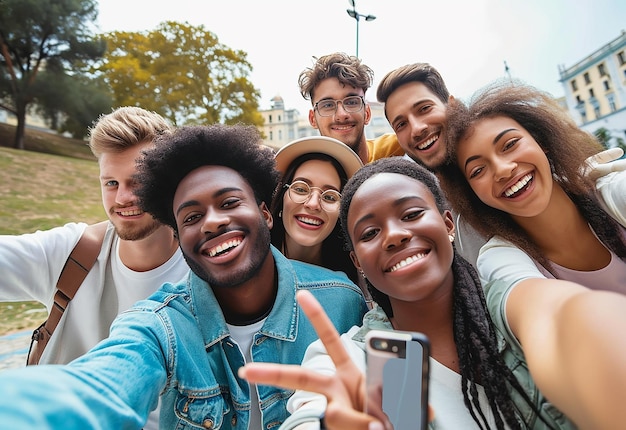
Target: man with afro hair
186, 342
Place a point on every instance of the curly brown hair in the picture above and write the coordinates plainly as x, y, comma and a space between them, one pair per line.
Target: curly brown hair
347, 68
565, 144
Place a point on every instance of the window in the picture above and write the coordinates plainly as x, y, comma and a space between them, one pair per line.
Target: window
611, 99
587, 78
574, 85
279, 118
621, 57
271, 135
602, 69
607, 85
591, 93
280, 135
270, 117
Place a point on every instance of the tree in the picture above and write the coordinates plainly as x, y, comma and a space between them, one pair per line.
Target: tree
38, 35
73, 102
183, 73
605, 136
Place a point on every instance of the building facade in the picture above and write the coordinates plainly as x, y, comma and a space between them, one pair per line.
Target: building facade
595, 88
280, 125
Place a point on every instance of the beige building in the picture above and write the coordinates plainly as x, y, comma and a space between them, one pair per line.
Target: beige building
595, 88
281, 125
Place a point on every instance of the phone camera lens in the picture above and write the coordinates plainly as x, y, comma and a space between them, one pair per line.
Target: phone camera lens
381, 344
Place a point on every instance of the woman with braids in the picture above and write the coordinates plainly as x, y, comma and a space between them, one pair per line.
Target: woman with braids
480, 376
513, 175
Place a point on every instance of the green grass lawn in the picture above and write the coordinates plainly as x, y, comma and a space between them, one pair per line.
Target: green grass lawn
39, 191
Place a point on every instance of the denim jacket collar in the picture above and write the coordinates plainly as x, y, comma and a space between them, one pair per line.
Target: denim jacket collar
281, 323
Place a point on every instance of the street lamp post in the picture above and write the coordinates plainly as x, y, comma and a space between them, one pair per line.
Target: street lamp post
357, 16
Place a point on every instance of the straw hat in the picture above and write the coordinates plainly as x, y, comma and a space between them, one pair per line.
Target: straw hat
322, 144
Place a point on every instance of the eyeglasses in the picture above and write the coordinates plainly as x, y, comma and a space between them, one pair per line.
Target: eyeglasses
300, 192
329, 107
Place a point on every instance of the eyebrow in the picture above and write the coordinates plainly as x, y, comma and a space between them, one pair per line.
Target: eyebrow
218, 193
495, 140
396, 203
310, 183
350, 94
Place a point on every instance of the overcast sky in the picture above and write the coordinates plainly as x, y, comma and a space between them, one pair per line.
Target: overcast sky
468, 41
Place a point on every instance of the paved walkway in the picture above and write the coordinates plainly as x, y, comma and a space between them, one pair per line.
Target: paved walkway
14, 349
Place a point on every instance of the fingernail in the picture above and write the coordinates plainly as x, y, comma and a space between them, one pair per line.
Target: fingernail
376, 425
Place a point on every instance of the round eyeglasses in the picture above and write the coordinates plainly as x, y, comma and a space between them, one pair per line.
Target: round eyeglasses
329, 107
300, 192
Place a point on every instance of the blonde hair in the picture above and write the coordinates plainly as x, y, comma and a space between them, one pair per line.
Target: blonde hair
125, 127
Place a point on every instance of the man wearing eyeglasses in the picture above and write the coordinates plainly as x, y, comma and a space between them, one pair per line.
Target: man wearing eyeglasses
336, 85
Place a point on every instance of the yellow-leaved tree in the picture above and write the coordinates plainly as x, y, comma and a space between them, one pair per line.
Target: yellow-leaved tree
182, 72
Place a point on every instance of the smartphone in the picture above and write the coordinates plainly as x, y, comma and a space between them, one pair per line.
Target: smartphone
397, 378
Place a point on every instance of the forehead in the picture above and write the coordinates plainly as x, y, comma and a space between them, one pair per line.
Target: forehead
408, 94
314, 168
331, 88
387, 187
490, 128
111, 162
205, 181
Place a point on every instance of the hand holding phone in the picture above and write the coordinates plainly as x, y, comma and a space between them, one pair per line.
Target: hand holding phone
397, 378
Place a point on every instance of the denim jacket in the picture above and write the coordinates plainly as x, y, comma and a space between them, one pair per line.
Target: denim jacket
176, 343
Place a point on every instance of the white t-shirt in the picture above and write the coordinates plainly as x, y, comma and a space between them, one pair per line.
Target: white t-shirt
30, 265
243, 337
445, 394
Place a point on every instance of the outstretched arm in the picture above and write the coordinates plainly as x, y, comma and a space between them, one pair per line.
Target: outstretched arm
574, 343
345, 391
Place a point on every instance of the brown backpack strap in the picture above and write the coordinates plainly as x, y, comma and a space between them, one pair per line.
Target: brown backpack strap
77, 266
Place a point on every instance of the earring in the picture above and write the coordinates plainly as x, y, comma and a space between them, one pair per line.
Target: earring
451, 237
280, 214
362, 273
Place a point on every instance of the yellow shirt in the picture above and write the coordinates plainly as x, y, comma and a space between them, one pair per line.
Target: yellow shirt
384, 146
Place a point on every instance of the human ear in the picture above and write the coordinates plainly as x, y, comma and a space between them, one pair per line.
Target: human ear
312, 119
368, 113
355, 260
449, 221
267, 215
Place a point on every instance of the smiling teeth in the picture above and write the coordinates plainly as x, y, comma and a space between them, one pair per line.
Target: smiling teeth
224, 247
307, 220
131, 213
428, 142
407, 261
519, 185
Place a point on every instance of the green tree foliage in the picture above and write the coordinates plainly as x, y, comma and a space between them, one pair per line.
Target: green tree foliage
44, 35
605, 136
81, 99
183, 73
